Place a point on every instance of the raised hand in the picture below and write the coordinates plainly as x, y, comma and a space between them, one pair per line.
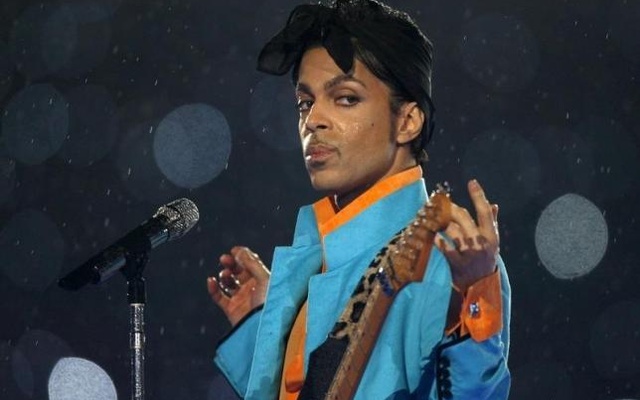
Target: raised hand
471, 247
241, 285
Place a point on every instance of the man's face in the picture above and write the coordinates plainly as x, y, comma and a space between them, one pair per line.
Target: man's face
346, 126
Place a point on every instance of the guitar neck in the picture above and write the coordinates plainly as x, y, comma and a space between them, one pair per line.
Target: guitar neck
361, 343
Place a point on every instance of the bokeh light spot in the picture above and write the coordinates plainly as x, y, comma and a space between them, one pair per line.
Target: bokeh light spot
615, 156
571, 236
138, 169
93, 125
59, 38
35, 123
9, 388
192, 145
31, 250
26, 41
500, 52
566, 159
485, 159
92, 37
33, 358
75, 378
65, 39
22, 373
615, 341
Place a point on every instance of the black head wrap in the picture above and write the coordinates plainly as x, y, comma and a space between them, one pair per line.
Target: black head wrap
391, 36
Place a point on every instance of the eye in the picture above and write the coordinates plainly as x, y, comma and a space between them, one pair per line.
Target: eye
348, 100
304, 105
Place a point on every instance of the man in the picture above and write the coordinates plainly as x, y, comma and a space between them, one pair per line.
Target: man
362, 75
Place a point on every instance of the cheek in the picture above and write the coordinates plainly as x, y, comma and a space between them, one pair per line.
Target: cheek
360, 145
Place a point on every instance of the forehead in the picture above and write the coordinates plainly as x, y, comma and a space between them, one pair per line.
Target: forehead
317, 68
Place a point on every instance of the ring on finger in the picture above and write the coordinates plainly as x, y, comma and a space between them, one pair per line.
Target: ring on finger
228, 283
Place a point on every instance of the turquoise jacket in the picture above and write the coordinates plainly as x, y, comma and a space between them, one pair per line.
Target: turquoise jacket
412, 358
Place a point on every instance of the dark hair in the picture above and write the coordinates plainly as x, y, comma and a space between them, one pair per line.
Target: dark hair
398, 96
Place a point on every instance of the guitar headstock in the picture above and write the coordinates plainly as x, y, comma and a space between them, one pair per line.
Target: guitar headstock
409, 256
435, 215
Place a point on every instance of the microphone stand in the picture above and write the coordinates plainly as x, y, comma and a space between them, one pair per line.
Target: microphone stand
130, 255
136, 297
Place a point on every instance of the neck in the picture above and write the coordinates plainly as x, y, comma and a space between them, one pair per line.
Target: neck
341, 200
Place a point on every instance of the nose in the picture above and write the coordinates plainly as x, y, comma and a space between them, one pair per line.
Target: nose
316, 119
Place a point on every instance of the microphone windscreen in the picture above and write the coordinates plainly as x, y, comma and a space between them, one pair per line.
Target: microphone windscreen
181, 215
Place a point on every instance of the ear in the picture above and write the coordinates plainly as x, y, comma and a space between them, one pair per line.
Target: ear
409, 122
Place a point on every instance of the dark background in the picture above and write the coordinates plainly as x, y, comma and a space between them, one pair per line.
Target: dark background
112, 108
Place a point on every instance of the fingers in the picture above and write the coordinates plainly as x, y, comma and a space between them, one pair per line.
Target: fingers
250, 263
455, 237
471, 248
494, 211
228, 263
484, 211
462, 224
244, 265
216, 293
463, 231
448, 247
240, 285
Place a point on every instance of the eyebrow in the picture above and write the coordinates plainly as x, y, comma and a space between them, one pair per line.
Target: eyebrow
331, 83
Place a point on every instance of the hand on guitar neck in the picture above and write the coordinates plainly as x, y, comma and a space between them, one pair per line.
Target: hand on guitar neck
241, 285
473, 247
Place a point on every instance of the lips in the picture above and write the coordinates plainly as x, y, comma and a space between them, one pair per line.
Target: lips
319, 153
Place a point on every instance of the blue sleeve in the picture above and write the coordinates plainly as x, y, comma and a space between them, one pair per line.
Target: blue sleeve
466, 369
235, 351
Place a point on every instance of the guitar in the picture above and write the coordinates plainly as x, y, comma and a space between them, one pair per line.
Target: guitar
336, 367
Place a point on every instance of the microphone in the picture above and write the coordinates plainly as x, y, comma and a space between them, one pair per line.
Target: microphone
170, 222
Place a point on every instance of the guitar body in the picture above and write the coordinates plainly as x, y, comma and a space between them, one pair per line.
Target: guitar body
336, 367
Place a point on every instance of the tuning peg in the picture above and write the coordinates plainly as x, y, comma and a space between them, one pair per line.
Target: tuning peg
443, 188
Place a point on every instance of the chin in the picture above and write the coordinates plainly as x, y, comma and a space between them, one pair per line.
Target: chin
322, 181
322, 187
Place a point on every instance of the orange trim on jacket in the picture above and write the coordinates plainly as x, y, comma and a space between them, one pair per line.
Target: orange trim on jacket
330, 220
485, 295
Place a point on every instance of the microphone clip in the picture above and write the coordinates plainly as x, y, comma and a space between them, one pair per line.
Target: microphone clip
132, 271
